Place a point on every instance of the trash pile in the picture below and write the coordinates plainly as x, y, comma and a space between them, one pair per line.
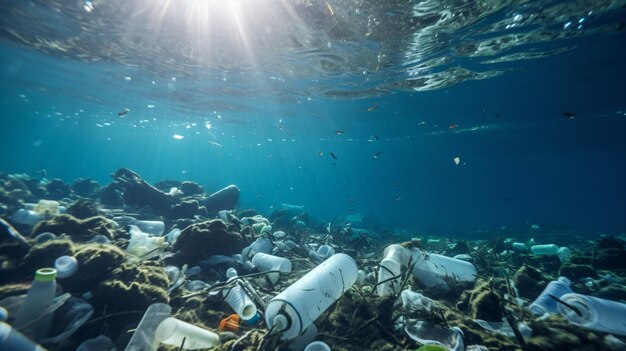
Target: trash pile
132, 266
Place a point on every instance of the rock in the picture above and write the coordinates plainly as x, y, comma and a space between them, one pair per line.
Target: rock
138, 193
166, 185
202, 240
132, 288
78, 229
191, 188
85, 187
83, 208
111, 195
187, 209
224, 199
575, 272
530, 282
58, 189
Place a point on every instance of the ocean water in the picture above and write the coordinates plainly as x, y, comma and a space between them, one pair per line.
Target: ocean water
528, 98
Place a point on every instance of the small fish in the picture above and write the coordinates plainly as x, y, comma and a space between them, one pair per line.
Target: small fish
339, 132
372, 108
453, 125
569, 115
332, 154
377, 155
123, 112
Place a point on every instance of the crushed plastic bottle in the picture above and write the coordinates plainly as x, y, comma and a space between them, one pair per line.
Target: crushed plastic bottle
264, 262
144, 246
30, 319
414, 301
433, 270
238, 299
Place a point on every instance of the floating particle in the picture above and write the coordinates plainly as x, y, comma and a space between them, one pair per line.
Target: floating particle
453, 126
123, 112
339, 132
569, 115
88, 6
178, 136
372, 108
321, 153
457, 160
215, 144
128, 79
208, 125
150, 106
377, 155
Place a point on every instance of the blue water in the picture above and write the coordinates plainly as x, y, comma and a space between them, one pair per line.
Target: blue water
522, 161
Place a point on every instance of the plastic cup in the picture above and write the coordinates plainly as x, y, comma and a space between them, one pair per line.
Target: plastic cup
317, 346
66, 266
172, 331
144, 338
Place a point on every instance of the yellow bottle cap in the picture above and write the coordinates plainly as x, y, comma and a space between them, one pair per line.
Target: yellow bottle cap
46, 274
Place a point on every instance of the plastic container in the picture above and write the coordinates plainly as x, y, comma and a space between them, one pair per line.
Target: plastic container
47, 208
150, 227
13, 340
434, 270
66, 266
596, 314
172, 331
264, 262
40, 295
324, 252
549, 249
520, 247
564, 254
317, 346
395, 260
26, 217
298, 306
238, 300
544, 303
143, 245
261, 244
144, 338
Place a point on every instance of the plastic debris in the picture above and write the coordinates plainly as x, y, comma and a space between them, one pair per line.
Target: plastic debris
426, 333
546, 303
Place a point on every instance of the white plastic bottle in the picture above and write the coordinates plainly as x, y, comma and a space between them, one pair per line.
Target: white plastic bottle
298, 306
433, 270
595, 313
40, 295
395, 260
238, 300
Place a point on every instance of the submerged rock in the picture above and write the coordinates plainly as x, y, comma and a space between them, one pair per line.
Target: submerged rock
83, 208
201, 240
85, 187
58, 189
79, 229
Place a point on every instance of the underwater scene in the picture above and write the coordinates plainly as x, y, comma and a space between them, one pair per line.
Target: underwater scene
313, 175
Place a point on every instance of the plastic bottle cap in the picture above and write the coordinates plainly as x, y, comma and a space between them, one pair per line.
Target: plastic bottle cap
45, 274
280, 323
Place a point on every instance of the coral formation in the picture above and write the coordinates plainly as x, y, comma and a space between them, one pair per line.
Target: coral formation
80, 229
